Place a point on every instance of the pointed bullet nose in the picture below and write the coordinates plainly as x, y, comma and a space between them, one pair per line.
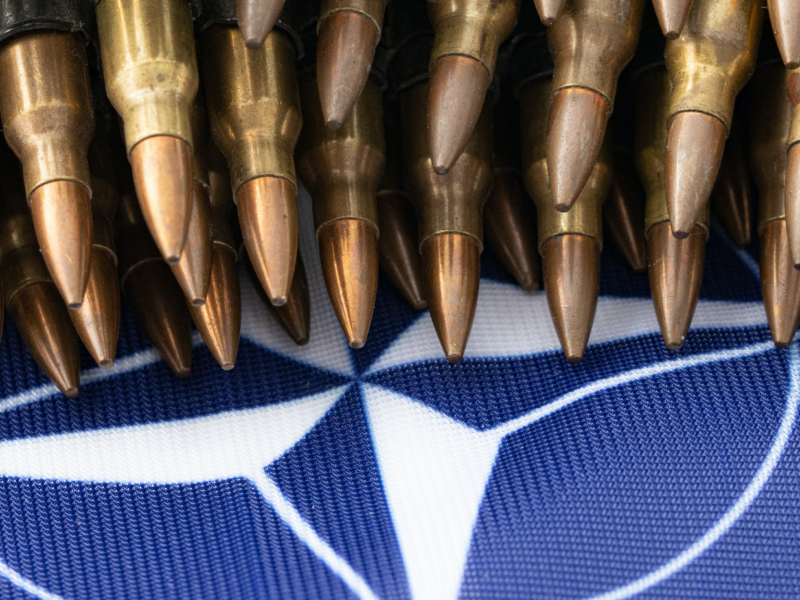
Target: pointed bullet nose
97, 320
345, 49
161, 310
571, 269
456, 93
348, 249
623, 215
219, 320
792, 202
549, 10
256, 19
451, 263
672, 16
268, 217
45, 328
578, 120
780, 284
731, 197
785, 19
676, 272
62, 217
193, 270
162, 173
695, 144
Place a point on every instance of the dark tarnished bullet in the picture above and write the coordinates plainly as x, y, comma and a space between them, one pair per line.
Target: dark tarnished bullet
708, 63
219, 320
193, 270
342, 170
468, 35
732, 197
256, 19
548, 10
672, 16
46, 107
570, 243
97, 320
398, 244
157, 299
150, 70
30, 295
784, 16
675, 264
254, 108
591, 42
450, 213
349, 31
508, 216
780, 281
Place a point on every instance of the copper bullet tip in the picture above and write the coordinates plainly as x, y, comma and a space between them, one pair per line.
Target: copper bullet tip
623, 215
219, 320
256, 19
695, 144
97, 320
268, 217
452, 270
348, 249
780, 284
785, 19
45, 328
193, 270
457, 90
793, 203
676, 272
345, 50
578, 120
672, 16
62, 217
571, 270
548, 10
731, 197
162, 174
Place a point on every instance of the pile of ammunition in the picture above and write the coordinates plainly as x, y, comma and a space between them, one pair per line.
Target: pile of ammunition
152, 144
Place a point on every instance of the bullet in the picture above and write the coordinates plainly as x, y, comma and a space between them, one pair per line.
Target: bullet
145, 277
591, 42
342, 169
675, 264
468, 36
254, 109
780, 281
219, 320
30, 295
549, 10
193, 269
708, 64
398, 244
349, 31
48, 121
450, 213
150, 68
672, 16
570, 243
785, 19
256, 19
792, 197
509, 218
97, 320
732, 196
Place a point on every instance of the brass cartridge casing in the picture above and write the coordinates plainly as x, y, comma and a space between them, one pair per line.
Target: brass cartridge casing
714, 57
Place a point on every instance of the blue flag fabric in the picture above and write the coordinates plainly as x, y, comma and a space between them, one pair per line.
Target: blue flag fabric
323, 472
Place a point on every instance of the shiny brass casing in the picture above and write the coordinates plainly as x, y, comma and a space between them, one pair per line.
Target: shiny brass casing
473, 28
253, 103
371, 9
714, 56
342, 168
585, 217
592, 41
653, 90
768, 139
46, 106
451, 203
150, 65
